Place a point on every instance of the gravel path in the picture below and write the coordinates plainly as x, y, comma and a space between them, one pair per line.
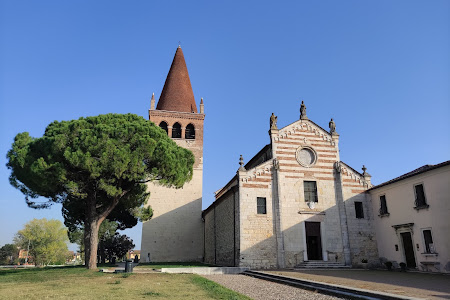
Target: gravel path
264, 290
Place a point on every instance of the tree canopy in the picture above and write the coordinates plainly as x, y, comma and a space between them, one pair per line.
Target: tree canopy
114, 246
46, 241
97, 167
8, 254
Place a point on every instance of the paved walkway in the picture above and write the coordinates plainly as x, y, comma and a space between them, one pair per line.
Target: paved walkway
412, 284
258, 289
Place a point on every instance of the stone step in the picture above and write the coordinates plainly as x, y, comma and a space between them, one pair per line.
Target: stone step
320, 265
322, 262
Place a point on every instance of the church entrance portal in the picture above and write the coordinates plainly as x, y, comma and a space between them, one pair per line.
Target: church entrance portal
313, 240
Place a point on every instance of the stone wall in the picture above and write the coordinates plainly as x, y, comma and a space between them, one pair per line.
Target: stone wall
361, 231
220, 230
258, 248
210, 242
225, 233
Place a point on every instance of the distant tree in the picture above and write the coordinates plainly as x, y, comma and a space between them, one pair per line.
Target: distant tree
9, 254
106, 232
116, 246
46, 239
96, 167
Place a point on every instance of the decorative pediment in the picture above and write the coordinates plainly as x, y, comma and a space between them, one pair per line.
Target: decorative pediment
304, 125
345, 169
264, 169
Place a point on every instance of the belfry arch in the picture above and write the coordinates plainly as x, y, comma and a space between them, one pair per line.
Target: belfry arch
176, 131
190, 132
163, 125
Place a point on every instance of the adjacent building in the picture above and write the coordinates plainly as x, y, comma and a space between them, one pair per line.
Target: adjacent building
412, 218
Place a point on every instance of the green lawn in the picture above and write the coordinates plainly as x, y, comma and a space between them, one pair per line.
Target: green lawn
79, 283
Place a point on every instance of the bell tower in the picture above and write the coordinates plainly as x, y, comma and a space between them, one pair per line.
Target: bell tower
175, 232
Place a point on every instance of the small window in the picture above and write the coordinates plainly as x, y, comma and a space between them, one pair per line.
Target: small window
310, 190
359, 210
176, 131
428, 239
261, 205
163, 125
190, 132
383, 205
420, 196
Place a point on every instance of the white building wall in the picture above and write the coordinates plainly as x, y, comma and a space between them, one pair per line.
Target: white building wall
400, 198
175, 232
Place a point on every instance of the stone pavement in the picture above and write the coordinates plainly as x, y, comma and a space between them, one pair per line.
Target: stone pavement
258, 289
412, 284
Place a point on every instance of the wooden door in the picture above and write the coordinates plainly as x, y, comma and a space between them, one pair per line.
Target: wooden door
313, 241
408, 248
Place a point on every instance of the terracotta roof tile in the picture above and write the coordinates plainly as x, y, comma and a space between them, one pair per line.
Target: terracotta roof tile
177, 93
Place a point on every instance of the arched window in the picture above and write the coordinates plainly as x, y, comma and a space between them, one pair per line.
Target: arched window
176, 131
163, 125
190, 132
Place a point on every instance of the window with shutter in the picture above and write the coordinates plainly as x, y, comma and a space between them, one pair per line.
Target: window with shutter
428, 239
383, 205
420, 196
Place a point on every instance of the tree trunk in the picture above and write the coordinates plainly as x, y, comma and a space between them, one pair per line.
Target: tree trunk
91, 226
91, 235
91, 258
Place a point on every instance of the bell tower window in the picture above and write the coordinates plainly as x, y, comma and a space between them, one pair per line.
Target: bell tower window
163, 125
190, 132
176, 131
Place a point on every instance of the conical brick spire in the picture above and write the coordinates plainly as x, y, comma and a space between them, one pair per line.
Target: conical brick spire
177, 93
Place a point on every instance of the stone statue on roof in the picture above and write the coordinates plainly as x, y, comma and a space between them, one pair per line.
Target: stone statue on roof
273, 121
332, 126
303, 112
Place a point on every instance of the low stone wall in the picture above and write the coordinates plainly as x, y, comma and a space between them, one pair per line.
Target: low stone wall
205, 271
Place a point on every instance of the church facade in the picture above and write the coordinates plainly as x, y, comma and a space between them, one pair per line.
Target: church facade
294, 202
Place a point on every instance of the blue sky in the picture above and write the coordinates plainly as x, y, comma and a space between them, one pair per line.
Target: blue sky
380, 69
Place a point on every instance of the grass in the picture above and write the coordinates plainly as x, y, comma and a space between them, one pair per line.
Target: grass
160, 265
80, 283
216, 291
